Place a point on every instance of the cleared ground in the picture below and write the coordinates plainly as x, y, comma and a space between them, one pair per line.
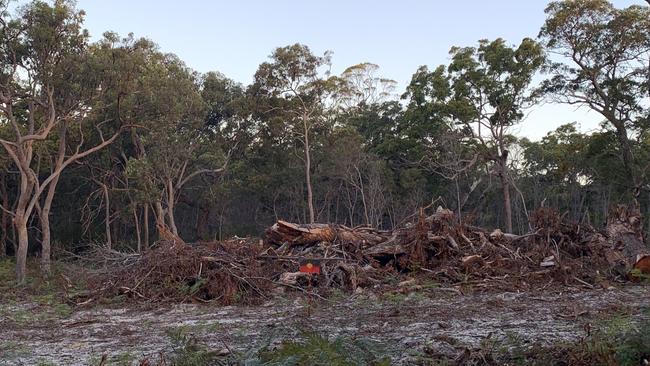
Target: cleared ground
409, 328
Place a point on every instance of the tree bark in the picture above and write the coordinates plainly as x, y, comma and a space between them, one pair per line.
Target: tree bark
46, 241
107, 214
5, 216
202, 218
160, 217
458, 203
171, 198
310, 194
21, 216
286, 232
146, 226
136, 220
628, 158
21, 255
505, 185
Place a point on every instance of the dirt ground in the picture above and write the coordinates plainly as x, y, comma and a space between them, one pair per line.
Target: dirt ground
406, 327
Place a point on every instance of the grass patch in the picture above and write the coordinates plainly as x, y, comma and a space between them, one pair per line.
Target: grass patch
11, 349
311, 349
41, 298
187, 350
318, 350
620, 341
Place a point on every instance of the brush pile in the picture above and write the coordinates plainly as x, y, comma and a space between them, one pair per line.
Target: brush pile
436, 247
223, 272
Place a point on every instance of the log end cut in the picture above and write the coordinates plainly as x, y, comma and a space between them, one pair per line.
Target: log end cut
642, 264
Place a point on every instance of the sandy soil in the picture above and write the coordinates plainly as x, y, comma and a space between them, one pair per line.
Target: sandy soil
403, 326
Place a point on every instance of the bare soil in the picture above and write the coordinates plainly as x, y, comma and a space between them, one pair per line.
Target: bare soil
406, 327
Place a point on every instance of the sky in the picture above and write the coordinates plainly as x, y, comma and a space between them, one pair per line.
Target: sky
234, 37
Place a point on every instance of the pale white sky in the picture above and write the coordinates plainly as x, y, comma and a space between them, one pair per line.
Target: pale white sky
234, 37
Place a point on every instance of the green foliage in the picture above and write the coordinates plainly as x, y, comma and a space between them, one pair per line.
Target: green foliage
636, 273
373, 159
619, 341
606, 51
318, 350
187, 350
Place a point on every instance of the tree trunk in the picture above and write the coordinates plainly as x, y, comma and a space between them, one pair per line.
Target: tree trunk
507, 205
46, 241
146, 226
458, 202
170, 206
5, 217
107, 214
286, 232
202, 218
505, 185
136, 220
21, 215
628, 158
160, 217
310, 195
21, 254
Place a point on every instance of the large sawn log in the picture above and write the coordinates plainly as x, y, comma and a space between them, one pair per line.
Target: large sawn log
626, 246
286, 232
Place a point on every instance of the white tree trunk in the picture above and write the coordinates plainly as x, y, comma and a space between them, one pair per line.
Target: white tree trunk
171, 198
310, 194
136, 220
107, 214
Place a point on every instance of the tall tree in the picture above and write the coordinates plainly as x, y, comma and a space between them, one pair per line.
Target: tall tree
604, 59
293, 89
484, 92
490, 90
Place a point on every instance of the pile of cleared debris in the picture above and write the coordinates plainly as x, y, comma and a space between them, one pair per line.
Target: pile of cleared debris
435, 246
173, 271
553, 252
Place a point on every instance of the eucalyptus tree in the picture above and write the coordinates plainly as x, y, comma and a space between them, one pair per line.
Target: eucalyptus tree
48, 92
602, 63
491, 88
483, 93
176, 146
359, 85
293, 90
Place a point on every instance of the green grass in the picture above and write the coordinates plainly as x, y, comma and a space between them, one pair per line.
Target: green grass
40, 298
187, 350
11, 349
311, 349
318, 350
619, 341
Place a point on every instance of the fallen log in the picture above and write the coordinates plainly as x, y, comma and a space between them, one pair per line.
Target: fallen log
389, 247
286, 232
626, 246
